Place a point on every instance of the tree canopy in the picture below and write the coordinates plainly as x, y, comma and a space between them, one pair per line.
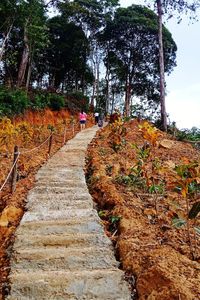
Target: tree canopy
90, 46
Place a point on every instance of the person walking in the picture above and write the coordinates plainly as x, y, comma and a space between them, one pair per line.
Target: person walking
82, 119
101, 119
96, 117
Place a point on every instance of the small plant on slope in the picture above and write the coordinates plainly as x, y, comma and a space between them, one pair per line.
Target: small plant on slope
187, 183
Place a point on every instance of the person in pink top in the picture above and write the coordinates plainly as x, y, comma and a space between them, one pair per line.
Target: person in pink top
82, 119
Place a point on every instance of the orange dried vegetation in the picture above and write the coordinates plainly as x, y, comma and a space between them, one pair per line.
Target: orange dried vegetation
148, 245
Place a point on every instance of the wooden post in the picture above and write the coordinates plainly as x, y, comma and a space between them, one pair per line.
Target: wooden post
14, 171
64, 136
50, 144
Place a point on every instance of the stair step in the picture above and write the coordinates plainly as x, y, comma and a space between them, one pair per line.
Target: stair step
58, 214
52, 174
68, 193
69, 285
61, 183
77, 160
25, 241
58, 205
56, 185
59, 191
81, 225
52, 259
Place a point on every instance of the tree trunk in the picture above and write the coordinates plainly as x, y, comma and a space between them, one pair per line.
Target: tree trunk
107, 87
97, 87
4, 42
93, 92
29, 74
113, 102
25, 58
127, 98
161, 64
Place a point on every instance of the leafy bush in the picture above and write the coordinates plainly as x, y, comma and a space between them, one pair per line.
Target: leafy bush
16, 101
55, 102
13, 101
40, 101
51, 100
188, 134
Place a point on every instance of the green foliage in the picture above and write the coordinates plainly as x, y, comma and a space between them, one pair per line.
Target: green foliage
142, 152
114, 219
132, 180
178, 222
13, 101
40, 101
192, 134
114, 222
51, 100
193, 188
156, 189
124, 179
55, 102
103, 214
133, 51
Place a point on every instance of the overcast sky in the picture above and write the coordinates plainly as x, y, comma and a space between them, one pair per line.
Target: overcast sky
183, 84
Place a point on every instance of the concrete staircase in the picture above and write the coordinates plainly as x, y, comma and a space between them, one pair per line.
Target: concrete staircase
61, 250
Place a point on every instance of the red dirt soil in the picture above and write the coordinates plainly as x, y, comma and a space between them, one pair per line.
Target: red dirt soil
147, 244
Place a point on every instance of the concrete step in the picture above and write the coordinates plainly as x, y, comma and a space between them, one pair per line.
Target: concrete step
56, 185
63, 181
26, 241
69, 285
57, 190
59, 174
47, 227
74, 194
58, 205
60, 258
45, 215
67, 159
59, 201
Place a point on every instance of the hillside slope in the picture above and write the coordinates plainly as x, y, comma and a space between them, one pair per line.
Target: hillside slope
144, 184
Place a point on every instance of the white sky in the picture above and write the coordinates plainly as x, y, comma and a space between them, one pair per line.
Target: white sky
183, 84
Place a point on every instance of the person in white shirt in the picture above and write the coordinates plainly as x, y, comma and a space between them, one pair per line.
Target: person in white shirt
96, 117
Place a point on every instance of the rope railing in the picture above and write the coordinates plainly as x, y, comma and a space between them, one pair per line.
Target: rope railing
10, 172
32, 150
13, 169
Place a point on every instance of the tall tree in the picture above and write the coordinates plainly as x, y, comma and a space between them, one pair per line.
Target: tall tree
91, 15
169, 7
34, 36
8, 13
67, 55
133, 51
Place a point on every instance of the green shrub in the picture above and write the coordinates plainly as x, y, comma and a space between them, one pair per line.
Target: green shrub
40, 101
56, 102
44, 99
13, 101
192, 134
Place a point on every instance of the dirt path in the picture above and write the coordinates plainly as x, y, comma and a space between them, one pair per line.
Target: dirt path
61, 250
